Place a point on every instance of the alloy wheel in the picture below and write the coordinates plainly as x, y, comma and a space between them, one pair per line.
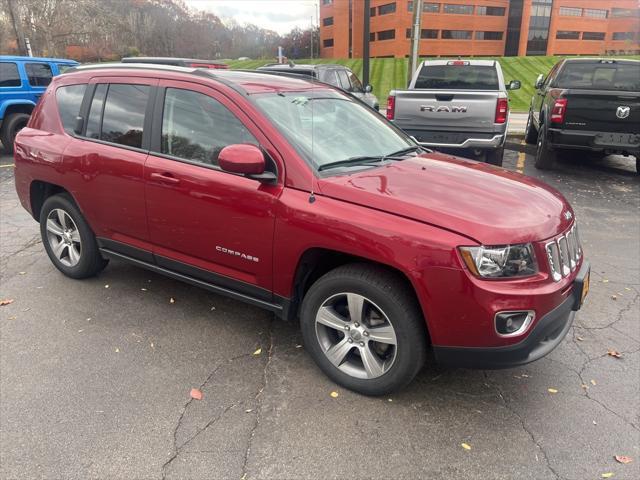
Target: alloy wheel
63, 237
356, 336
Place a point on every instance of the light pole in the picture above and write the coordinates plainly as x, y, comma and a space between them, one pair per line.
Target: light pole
415, 37
365, 42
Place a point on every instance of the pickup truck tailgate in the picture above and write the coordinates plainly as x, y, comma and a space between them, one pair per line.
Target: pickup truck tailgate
437, 110
601, 111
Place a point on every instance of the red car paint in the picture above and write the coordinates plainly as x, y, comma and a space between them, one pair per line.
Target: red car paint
409, 215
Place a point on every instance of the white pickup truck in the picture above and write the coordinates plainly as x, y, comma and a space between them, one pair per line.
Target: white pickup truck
459, 106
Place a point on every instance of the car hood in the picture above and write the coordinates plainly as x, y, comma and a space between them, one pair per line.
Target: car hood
488, 204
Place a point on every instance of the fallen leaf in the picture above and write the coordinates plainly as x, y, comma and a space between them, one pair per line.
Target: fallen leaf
298, 346
172, 300
580, 339
604, 280
8, 301
213, 308
552, 390
106, 286
466, 446
258, 351
623, 459
593, 382
524, 375
614, 353
81, 330
248, 410
196, 394
607, 475
334, 394
22, 273
627, 289
13, 318
594, 422
117, 350
390, 399
613, 297
89, 319
143, 289
585, 386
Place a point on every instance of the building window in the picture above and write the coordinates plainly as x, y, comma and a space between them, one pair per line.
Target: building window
488, 35
327, 2
372, 12
625, 12
593, 13
456, 34
514, 22
567, 35
539, 27
427, 33
372, 37
326, 22
327, 43
386, 9
593, 35
492, 11
426, 7
570, 12
387, 35
623, 35
458, 9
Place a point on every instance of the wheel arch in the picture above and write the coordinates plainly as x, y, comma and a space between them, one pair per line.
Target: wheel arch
16, 107
39, 191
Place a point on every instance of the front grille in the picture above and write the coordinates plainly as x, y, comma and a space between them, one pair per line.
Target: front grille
564, 253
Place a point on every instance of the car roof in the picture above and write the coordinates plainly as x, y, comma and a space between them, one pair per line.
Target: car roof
299, 66
600, 59
18, 58
247, 81
485, 63
169, 60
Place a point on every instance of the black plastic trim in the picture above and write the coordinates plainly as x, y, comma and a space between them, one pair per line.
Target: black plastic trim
125, 249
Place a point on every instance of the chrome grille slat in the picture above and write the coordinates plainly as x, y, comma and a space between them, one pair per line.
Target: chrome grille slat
564, 253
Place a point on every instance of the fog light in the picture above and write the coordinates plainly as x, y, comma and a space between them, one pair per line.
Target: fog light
509, 324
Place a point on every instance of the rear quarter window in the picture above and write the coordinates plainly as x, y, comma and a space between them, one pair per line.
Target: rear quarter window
600, 76
9, 76
458, 77
69, 99
39, 74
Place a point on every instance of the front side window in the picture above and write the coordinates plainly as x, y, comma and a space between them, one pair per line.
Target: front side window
69, 99
9, 76
197, 127
39, 74
123, 117
344, 80
326, 126
355, 82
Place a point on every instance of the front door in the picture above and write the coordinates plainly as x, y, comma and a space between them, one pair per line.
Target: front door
204, 222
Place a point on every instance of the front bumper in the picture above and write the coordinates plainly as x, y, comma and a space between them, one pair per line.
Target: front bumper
545, 336
595, 141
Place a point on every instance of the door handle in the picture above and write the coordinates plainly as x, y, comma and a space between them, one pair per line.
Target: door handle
165, 178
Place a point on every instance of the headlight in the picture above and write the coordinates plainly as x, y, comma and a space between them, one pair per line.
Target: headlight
500, 261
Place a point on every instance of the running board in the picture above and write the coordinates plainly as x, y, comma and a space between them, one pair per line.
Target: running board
278, 309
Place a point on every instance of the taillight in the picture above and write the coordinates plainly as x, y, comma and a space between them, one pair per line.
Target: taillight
502, 109
558, 110
391, 107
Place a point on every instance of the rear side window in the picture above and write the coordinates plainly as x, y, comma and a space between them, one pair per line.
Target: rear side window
95, 112
197, 127
69, 99
39, 74
462, 77
9, 76
600, 76
123, 117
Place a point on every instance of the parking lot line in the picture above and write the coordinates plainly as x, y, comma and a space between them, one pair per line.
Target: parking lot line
521, 157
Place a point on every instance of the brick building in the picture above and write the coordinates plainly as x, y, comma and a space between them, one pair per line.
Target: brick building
482, 27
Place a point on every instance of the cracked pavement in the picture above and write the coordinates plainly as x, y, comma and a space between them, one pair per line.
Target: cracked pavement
95, 380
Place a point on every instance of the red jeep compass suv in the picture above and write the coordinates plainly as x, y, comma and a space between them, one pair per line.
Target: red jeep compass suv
291, 195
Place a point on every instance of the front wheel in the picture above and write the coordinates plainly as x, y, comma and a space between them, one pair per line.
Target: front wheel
545, 156
364, 329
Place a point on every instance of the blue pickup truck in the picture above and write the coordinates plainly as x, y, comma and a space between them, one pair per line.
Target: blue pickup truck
22, 81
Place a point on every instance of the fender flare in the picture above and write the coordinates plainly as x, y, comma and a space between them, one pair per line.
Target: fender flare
10, 103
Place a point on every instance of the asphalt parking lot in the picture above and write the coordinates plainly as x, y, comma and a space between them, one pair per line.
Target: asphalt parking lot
95, 375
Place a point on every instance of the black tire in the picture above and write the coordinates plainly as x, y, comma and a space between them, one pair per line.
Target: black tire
495, 157
11, 125
545, 156
90, 261
530, 132
638, 164
395, 299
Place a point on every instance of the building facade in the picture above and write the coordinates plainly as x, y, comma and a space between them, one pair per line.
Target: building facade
482, 27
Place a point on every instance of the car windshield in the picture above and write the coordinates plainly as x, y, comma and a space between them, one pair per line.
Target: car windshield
327, 127
458, 77
600, 76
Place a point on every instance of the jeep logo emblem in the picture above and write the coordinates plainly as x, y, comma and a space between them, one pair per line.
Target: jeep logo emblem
623, 111
444, 108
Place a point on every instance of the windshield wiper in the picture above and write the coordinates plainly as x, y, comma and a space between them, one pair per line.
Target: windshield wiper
404, 151
353, 161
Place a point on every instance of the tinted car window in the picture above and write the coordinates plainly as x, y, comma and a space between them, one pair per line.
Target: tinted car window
197, 127
9, 76
344, 80
357, 85
123, 116
329, 76
69, 99
463, 77
95, 112
600, 76
39, 74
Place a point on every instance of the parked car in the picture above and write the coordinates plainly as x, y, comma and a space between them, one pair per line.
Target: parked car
456, 105
293, 196
22, 82
178, 62
587, 104
337, 75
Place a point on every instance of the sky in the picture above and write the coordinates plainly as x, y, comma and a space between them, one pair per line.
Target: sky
279, 15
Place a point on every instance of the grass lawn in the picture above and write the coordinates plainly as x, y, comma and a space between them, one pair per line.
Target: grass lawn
391, 73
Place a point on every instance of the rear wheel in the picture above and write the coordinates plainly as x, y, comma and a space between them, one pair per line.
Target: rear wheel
11, 125
364, 329
530, 133
495, 157
545, 156
68, 240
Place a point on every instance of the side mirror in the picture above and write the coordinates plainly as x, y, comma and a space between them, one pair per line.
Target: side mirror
79, 124
539, 81
514, 85
368, 89
245, 160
